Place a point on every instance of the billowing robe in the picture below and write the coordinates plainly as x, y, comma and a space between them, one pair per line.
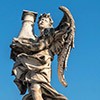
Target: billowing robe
30, 68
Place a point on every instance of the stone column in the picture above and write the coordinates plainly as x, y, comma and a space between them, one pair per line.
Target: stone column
28, 18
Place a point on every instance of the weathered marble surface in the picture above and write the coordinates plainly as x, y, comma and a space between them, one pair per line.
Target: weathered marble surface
33, 55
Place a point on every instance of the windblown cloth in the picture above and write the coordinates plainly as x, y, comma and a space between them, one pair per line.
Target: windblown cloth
35, 68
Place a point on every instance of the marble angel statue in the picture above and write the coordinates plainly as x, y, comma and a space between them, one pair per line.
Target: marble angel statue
33, 55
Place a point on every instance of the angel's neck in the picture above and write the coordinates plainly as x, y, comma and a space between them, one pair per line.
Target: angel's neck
42, 31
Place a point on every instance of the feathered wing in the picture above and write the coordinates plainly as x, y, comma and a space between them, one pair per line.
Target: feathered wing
63, 42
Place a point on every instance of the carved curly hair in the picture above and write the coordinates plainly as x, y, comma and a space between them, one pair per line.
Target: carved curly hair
46, 16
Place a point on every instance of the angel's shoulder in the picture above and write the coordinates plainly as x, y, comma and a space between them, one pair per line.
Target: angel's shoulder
49, 31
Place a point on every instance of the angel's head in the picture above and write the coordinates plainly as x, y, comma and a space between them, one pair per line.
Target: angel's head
45, 21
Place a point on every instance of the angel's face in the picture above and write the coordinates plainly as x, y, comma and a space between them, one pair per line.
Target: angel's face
44, 23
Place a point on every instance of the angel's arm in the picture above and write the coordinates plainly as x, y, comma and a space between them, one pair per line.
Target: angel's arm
31, 45
39, 45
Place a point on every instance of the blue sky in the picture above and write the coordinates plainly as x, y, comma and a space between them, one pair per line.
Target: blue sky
83, 73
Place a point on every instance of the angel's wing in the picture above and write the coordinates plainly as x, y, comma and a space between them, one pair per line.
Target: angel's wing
63, 41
